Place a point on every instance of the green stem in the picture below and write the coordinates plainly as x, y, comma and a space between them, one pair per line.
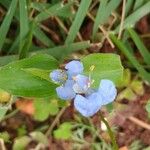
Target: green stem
111, 134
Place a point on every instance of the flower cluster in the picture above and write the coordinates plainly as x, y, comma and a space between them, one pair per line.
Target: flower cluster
75, 85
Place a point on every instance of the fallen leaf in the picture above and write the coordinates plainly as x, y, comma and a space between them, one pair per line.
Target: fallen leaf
25, 106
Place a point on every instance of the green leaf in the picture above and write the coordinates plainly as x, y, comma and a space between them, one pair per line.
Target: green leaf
137, 87
147, 107
6, 22
3, 111
107, 66
5, 136
21, 143
80, 15
40, 61
39, 137
42, 107
44, 74
64, 131
127, 94
16, 81
126, 78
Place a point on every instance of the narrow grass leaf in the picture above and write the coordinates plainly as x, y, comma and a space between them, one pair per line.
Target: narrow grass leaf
80, 15
24, 23
138, 42
132, 19
41, 36
104, 11
27, 42
59, 52
58, 9
100, 15
129, 5
145, 75
6, 22
137, 4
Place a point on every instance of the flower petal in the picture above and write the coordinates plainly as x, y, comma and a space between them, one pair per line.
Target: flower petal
58, 76
74, 67
88, 106
108, 91
66, 91
82, 84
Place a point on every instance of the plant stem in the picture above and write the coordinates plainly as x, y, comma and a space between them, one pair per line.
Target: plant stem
111, 134
55, 121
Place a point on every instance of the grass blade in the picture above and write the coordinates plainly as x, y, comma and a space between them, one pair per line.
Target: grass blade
138, 42
24, 24
6, 22
58, 9
137, 4
128, 6
58, 52
144, 74
131, 20
27, 42
80, 15
100, 15
104, 11
40, 35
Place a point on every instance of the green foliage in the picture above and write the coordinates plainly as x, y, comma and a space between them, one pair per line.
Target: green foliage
106, 66
14, 79
147, 107
131, 87
6, 22
5, 136
104, 11
80, 15
134, 17
124, 49
21, 143
64, 131
3, 111
44, 108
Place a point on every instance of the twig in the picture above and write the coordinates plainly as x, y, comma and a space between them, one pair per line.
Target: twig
55, 121
122, 19
139, 122
115, 146
103, 31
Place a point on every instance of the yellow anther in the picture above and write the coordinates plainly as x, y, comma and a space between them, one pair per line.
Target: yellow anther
74, 78
92, 68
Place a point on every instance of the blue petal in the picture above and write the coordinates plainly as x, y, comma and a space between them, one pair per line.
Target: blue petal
88, 106
82, 84
58, 76
108, 91
73, 68
66, 91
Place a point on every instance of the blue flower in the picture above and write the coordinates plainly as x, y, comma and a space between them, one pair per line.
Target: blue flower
82, 84
58, 76
66, 91
66, 78
88, 106
74, 85
107, 90
91, 104
74, 68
